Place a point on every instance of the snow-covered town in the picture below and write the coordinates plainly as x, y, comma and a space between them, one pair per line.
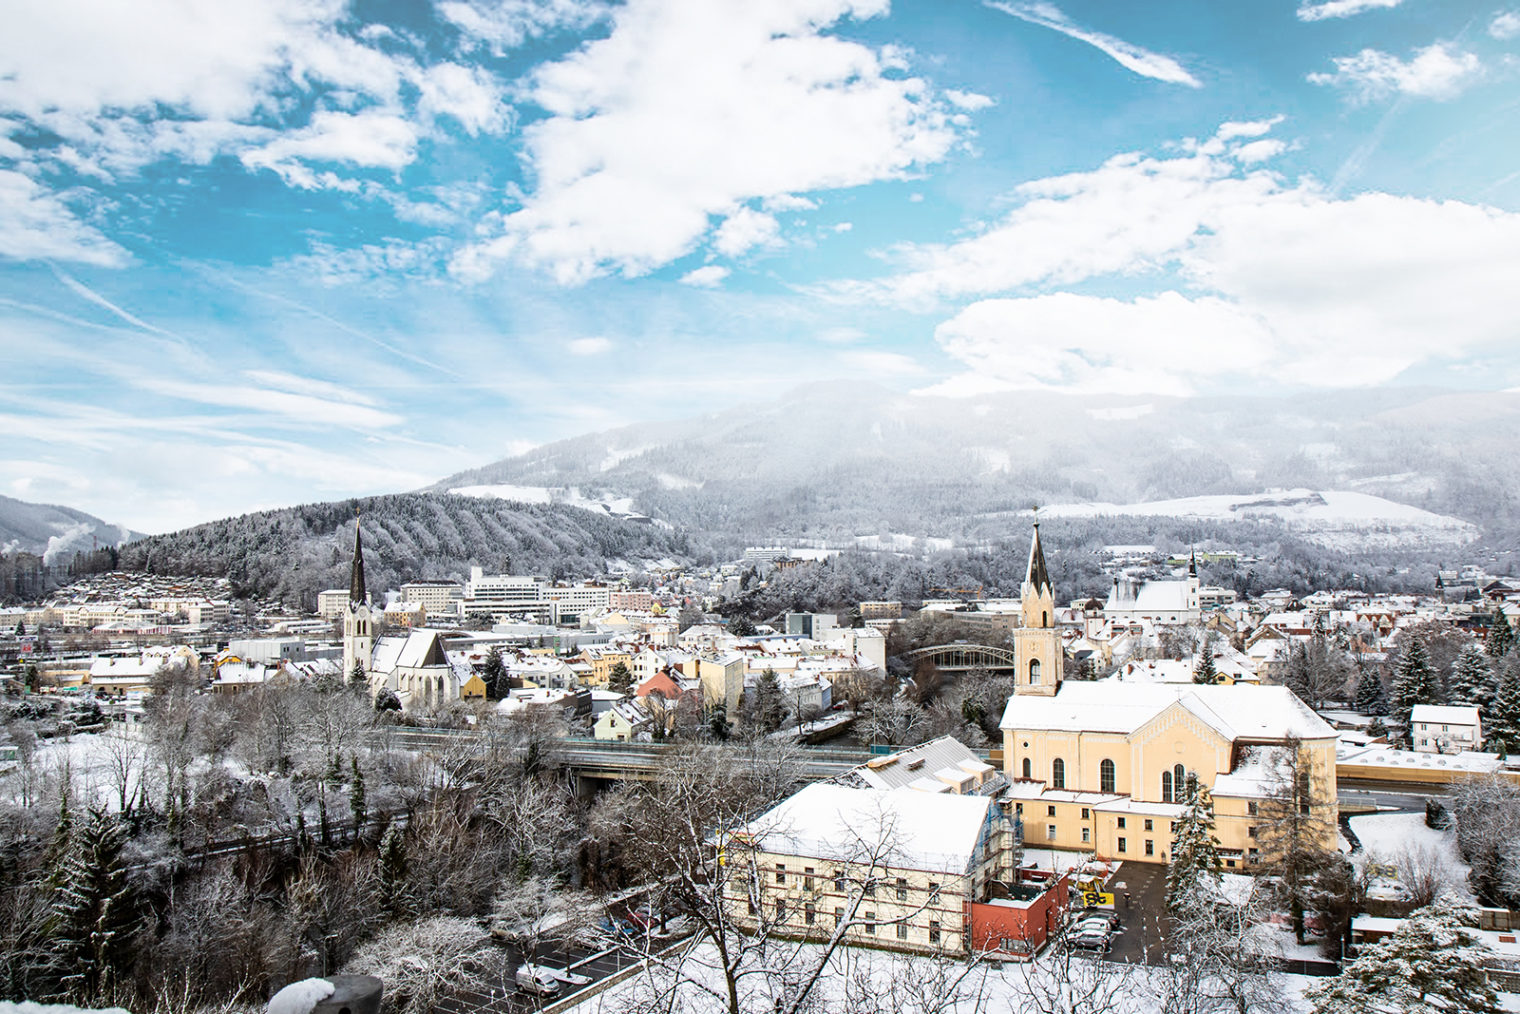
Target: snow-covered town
1173, 788
759, 507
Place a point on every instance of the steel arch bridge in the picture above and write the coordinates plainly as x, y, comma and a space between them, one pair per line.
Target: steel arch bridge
960, 657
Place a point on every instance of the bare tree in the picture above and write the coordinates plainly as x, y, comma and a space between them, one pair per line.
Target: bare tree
422, 962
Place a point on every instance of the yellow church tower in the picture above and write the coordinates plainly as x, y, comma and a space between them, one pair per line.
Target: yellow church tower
1037, 644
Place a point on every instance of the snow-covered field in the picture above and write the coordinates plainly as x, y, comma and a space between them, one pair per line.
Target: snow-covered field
897, 542
1387, 838
103, 768
1337, 519
570, 496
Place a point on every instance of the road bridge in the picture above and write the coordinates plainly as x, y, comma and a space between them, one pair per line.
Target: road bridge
963, 657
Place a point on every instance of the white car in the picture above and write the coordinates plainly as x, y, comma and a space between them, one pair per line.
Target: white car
538, 980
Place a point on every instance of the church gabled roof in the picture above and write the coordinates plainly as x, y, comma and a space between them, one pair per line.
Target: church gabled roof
356, 592
1038, 576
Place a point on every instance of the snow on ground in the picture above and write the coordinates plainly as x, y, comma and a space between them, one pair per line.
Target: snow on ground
1386, 837
98, 764
570, 496
1338, 519
896, 980
898, 542
28, 1007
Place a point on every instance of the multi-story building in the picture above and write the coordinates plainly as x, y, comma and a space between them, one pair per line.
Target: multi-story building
332, 603
900, 869
1445, 728
439, 598
722, 679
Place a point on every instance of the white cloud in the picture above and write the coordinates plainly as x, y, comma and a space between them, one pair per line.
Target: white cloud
502, 25
1260, 151
468, 94
1089, 344
788, 202
36, 224
589, 346
744, 230
842, 226
370, 139
1131, 57
706, 277
1438, 71
1133, 214
1506, 25
1246, 128
304, 409
308, 386
1310, 11
1280, 275
689, 109
969, 101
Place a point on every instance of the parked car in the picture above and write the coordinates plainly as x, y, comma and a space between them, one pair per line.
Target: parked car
1090, 938
537, 979
1108, 915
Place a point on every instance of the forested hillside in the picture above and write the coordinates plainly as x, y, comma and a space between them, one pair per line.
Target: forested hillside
295, 552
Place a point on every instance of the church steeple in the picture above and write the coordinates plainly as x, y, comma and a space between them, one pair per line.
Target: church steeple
356, 589
1037, 579
1037, 643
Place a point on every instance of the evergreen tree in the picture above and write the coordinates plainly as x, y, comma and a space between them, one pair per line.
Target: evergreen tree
717, 723
493, 673
1471, 678
1430, 965
1203, 670
740, 626
1414, 682
1501, 636
770, 703
1371, 699
1503, 722
358, 680
95, 912
63, 833
1195, 864
394, 898
386, 700
620, 678
357, 804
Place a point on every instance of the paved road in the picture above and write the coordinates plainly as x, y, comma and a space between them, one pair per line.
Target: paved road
1140, 899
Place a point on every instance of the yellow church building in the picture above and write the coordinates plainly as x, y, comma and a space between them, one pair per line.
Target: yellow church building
1104, 766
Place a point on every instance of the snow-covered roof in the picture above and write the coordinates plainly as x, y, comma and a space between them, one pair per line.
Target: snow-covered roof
902, 828
1255, 776
1236, 712
926, 760
1445, 714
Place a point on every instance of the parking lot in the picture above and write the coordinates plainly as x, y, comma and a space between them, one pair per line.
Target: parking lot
594, 963
1139, 891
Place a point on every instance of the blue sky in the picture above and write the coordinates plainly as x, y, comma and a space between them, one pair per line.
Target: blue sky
292, 250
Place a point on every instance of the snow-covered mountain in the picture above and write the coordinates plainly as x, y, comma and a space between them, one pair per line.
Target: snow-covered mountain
846, 460
55, 532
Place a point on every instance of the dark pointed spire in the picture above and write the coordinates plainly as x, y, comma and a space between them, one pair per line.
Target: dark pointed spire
1038, 577
1192, 562
356, 592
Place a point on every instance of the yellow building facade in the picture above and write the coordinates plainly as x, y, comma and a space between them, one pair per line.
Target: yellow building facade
1104, 766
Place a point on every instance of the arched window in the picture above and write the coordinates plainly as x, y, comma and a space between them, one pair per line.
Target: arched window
1034, 671
1106, 776
1179, 778
440, 690
1028, 768
1058, 774
1166, 787
1044, 618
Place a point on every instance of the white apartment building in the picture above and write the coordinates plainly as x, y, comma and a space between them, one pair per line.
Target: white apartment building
332, 602
439, 598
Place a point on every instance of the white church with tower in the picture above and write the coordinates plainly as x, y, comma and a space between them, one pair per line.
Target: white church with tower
415, 667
